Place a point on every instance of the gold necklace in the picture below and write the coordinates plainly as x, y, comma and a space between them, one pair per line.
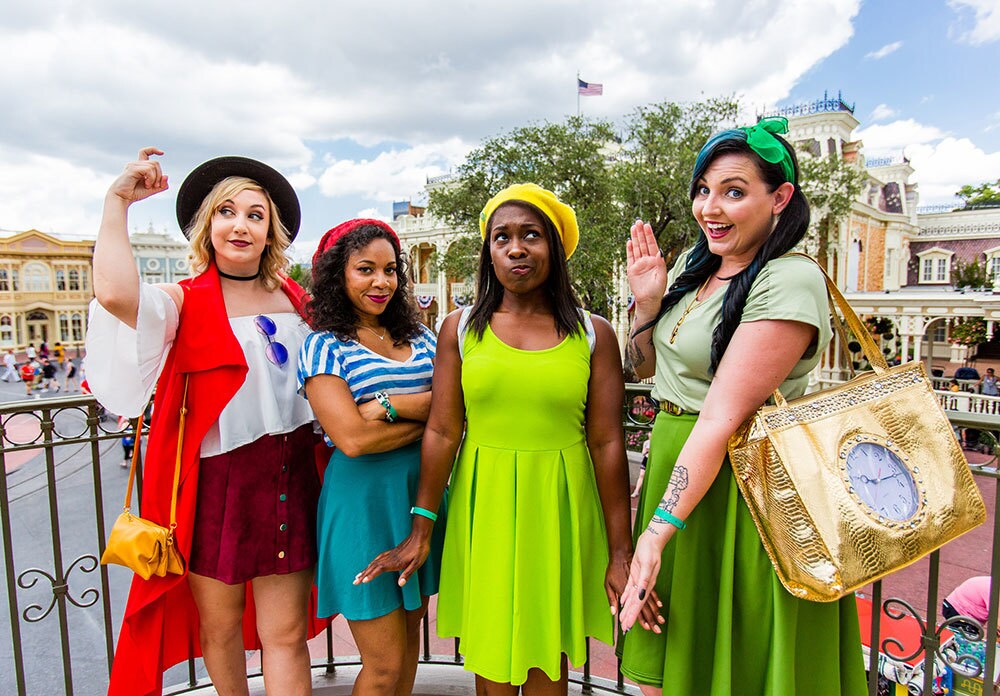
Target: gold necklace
687, 310
382, 337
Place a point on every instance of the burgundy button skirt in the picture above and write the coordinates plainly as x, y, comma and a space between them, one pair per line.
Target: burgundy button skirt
256, 511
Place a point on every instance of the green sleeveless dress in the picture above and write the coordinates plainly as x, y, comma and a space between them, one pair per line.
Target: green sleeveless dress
525, 551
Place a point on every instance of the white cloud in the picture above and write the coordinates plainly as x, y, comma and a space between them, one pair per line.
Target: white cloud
891, 138
943, 168
885, 50
282, 81
882, 112
986, 23
942, 163
392, 175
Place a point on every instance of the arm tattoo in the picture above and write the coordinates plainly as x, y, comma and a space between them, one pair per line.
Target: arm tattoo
678, 482
635, 354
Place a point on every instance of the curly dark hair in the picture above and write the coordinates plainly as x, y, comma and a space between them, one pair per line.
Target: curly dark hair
331, 310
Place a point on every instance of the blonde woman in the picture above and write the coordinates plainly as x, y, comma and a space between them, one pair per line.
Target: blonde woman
230, 337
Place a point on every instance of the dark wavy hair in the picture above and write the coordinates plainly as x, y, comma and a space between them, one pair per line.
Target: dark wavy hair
489, 292
331, 310
701, 263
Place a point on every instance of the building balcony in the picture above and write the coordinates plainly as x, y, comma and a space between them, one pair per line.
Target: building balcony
62, 487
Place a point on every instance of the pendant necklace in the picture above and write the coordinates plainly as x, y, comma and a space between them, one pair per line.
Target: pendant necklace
381, 338
687, 310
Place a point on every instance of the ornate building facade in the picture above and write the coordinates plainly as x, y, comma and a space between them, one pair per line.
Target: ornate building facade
45, 287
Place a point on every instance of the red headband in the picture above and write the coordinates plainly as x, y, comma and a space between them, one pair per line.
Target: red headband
334, 235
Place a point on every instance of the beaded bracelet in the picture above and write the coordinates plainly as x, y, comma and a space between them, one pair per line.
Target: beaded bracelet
662, 514
432, 516
390, 412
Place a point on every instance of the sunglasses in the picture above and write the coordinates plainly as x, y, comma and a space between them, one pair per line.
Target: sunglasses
275, 351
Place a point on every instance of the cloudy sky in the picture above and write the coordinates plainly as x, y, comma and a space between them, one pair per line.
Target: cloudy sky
359, 102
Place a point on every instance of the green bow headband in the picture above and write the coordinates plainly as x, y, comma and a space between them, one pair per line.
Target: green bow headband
761, 140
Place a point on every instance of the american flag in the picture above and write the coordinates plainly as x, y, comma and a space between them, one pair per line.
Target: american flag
589, 89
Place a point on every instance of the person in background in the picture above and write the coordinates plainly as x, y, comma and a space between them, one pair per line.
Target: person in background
10, 363
49, 376
971, 598
989, 385
71, 376
642, 468
30, 352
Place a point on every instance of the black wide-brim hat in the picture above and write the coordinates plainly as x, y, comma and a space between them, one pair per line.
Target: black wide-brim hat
200, 182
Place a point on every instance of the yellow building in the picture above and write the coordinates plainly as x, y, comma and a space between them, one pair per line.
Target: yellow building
45, 286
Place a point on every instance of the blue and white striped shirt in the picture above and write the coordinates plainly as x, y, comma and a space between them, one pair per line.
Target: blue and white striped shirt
364, 371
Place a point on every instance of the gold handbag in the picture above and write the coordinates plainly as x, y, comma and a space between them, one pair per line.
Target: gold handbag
146, 547
848, 484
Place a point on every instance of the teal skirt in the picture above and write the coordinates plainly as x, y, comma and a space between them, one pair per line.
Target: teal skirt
731, 626
364, 509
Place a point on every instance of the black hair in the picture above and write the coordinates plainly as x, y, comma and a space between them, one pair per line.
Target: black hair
331, 310
489, 292
793, 222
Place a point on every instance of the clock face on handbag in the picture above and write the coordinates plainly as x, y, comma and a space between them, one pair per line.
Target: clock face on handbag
879, 480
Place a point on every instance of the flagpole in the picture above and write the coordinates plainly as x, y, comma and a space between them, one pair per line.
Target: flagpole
578, 94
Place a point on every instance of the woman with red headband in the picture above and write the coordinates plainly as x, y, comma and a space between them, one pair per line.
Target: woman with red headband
367, 373
228, 338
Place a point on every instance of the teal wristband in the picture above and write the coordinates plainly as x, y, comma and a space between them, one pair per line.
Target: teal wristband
432, 516
669, 519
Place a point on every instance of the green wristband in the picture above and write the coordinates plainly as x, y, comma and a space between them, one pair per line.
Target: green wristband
432, 516
669, 519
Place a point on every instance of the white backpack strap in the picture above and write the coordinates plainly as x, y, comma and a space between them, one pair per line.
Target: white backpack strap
463, 328
588, 329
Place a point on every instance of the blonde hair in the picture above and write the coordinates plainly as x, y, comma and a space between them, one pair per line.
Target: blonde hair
273, 261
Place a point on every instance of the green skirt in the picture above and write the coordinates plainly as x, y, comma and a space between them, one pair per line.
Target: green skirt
731, 627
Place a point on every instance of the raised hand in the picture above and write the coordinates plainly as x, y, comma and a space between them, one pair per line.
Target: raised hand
647, 271
141, 179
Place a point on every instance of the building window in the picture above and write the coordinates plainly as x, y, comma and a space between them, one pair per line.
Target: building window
938, 333
4, 280
61, 280
6, 331
84, 280
935, 265
74, 279
153, 278
15, 281
994, 268
63, 328
37, 278
77, 322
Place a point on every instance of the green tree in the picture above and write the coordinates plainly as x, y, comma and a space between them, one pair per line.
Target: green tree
569, 158
301, 275
970, 275
831, 185
653, 169
984, 194
609, 181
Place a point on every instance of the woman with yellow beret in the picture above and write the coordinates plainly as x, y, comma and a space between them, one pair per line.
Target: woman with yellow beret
537, 544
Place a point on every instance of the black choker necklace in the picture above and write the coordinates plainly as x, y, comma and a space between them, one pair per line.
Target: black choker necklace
255, 276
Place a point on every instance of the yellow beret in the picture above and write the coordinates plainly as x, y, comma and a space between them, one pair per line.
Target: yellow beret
558, 213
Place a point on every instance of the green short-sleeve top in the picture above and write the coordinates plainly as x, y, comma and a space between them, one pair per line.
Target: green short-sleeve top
788, 288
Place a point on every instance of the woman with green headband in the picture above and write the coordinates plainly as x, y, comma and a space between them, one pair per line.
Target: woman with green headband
537, 547
729, 324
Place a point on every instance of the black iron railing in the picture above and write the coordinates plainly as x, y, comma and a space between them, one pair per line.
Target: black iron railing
62, 488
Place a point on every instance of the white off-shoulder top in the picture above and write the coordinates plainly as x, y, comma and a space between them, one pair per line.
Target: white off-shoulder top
123, 365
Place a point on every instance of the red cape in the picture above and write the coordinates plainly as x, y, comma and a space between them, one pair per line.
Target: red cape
160, 627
